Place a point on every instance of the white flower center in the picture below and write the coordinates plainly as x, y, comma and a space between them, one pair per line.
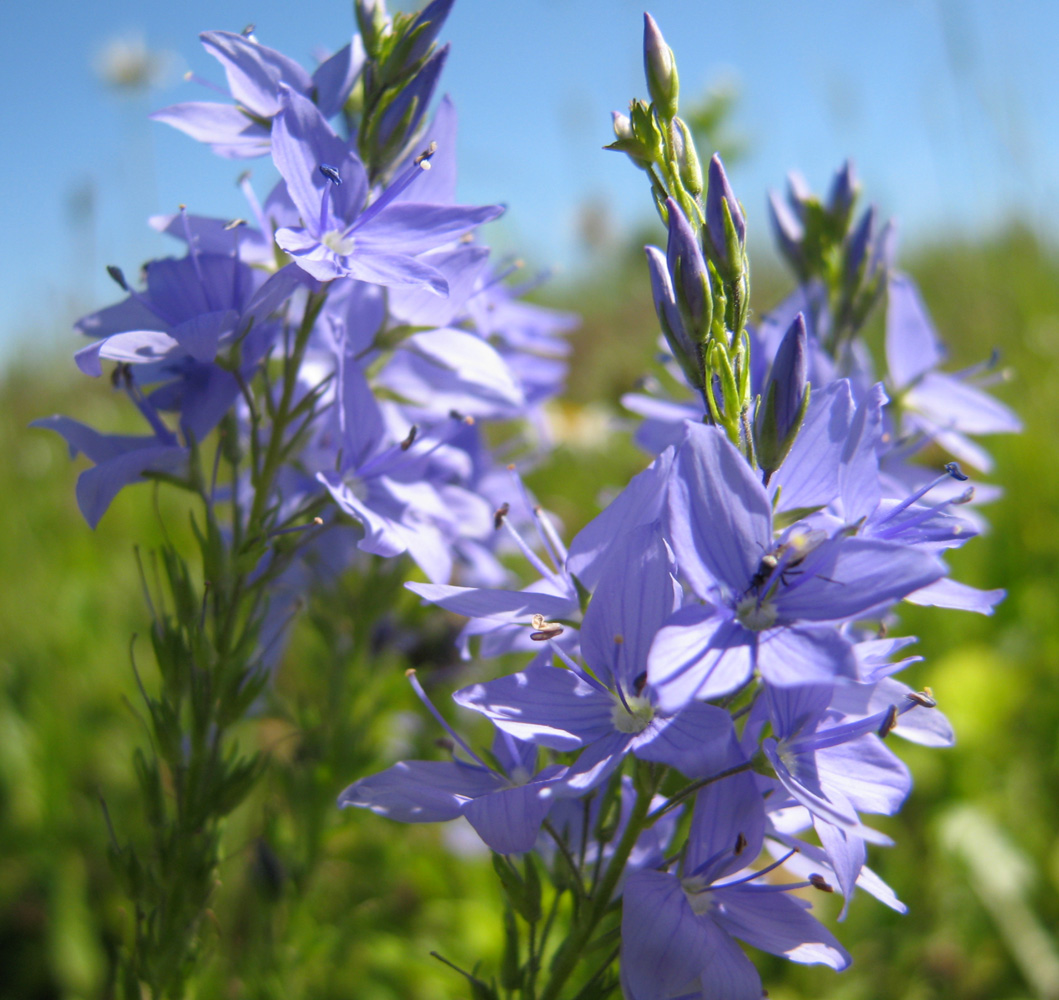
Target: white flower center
699, 900
335, 240
357, 486
755, 614
634, 719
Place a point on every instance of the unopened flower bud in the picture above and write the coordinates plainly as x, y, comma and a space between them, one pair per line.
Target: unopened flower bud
691, 280
670, 320
843, 194
857, 248
627, 142
425, 29
660, 68
725, 225
372, 21
799, 194
404, 113
786, 398
687, 159
789, 232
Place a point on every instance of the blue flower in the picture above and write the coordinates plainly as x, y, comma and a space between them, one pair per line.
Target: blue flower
678, 932
256, 78
767, 600
341, 235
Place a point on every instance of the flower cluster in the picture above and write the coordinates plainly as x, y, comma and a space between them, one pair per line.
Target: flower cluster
702, 731
316, 376
718, 636
348, 335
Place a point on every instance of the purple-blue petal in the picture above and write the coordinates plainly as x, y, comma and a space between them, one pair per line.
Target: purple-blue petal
550, 706
719, 514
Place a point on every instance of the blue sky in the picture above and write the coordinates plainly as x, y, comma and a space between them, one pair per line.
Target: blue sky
948, 108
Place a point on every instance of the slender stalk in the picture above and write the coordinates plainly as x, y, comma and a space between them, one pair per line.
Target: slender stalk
573, 949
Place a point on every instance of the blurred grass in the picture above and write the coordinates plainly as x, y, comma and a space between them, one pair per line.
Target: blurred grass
314, 903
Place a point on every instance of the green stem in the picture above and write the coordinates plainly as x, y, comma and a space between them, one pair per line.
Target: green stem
573, 949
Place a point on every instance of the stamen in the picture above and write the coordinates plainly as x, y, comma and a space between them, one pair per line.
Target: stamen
888, 723
500, 513
741, 844
881, 723
419, 166
316, 522
149, 413
118, 275
924, 698
982, 367
819, 882
621, 693
193, 253
410, 440
758, 873
243, 183
538, 520
531, 557
578, 670
410, 673
203, 82
422, 158
332, 175
544, 629
375, 466
500, 276
953, 469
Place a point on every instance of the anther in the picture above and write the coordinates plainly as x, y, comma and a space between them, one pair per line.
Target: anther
423, 159
544, 629
888, 722
122, 374
819, 882
330, 173
316, 522
639, 683
619, 640
410, 440
924, 698
953, 469
118, 275
741, 844
235, 224
248, 30
499, 514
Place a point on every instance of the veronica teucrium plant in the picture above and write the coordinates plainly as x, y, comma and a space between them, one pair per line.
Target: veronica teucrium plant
704, 721
704, 726
314, 372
